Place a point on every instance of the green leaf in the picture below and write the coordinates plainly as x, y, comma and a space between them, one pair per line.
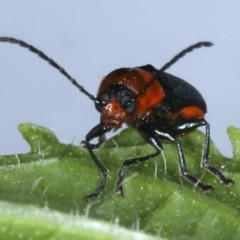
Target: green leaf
156, 199
31, 222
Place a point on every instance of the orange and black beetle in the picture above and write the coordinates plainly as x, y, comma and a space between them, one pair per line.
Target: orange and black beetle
157, 104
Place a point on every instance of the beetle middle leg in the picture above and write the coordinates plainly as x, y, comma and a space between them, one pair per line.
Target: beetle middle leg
151, 139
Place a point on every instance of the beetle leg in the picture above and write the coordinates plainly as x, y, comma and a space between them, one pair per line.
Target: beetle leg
101, 140
151, 139
205, 160
99, 130
192, 124
182, 162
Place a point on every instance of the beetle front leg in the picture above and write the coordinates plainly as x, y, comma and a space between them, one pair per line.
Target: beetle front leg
101, 140
97, 131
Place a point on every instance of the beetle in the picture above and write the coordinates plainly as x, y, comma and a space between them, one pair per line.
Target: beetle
158, 105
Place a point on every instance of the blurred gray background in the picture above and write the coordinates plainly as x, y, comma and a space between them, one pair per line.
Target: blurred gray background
91, 38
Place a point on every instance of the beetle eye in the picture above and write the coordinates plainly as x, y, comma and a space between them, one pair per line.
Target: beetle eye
101, 100
103, 97
128, 103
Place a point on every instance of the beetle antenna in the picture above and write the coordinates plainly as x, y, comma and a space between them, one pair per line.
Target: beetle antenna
183, 53
50, 61
175, 59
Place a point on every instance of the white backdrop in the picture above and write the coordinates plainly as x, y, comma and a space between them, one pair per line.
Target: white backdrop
91, 38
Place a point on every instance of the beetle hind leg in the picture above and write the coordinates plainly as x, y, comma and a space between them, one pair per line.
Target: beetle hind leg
191, 124
205, 161
184, 172
226, 181
182, 163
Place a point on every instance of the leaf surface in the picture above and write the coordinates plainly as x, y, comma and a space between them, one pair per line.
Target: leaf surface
156, 200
